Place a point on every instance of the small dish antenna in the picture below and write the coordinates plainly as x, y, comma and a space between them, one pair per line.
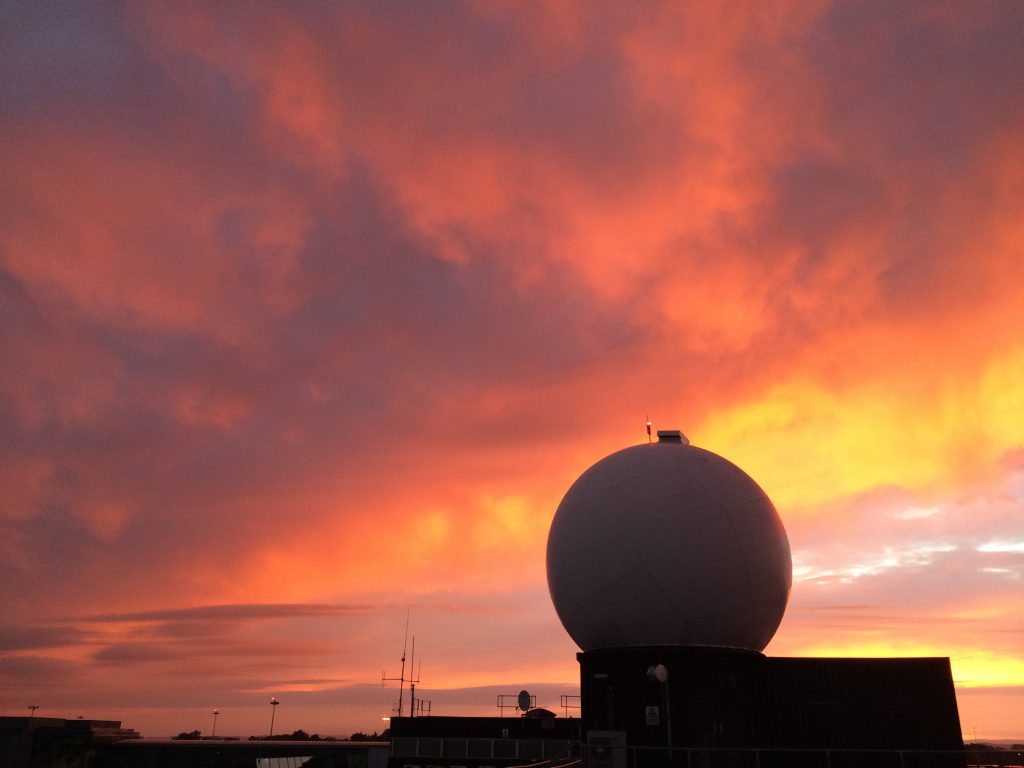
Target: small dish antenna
524, 701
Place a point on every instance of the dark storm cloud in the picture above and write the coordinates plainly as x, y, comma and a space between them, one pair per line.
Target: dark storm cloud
38, 673
921, 85
32, 637
379, 298
576, 106
928, 97
198, 654
134, 653
917, 103
51, 545
58, 55
232, 613
380, 328
818, 201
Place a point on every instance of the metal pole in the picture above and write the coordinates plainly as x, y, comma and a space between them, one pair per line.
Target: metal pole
214, 731
668, 720
401, 685
273, 710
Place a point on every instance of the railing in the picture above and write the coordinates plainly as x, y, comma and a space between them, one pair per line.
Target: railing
492, 751
511, 701
609, 756
568, 702
560, 753
573, 763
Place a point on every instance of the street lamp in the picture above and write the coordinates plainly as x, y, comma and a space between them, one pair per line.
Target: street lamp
214, 731
33, 707
273, 709
659, 674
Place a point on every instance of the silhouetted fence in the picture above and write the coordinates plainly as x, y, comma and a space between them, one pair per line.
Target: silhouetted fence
604, 756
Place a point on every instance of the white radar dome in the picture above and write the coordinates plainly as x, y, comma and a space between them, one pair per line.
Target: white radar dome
668, 544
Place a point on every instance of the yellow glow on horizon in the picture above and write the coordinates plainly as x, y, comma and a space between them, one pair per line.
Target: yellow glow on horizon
971, 668
807, 444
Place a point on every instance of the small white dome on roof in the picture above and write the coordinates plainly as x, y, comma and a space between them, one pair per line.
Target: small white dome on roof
668, 544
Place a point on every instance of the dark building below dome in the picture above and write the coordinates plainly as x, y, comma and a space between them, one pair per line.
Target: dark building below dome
719, 699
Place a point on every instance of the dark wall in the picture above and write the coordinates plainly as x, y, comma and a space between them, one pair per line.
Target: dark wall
863, 703
728, 698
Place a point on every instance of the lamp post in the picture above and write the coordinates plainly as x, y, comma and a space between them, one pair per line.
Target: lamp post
273, 709
33, 707
659, 674
214, 731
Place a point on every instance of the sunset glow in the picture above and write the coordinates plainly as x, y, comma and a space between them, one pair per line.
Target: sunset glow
313, 312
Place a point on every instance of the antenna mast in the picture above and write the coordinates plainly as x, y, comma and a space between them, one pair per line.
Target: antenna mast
413, 681
402, 679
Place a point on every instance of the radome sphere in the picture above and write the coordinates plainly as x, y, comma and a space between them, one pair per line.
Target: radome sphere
668, 544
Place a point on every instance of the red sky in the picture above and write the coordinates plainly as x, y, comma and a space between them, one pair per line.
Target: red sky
312, 312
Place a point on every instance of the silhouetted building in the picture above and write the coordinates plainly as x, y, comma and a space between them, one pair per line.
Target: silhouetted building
38, 742
56, 743
731, 707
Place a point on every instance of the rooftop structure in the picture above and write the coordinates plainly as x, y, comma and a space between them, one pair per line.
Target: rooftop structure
670, 568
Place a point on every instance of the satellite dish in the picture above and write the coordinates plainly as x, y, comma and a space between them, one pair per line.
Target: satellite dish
524, 700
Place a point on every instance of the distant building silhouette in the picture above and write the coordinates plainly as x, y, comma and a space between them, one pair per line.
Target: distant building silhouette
51, 741
57, 743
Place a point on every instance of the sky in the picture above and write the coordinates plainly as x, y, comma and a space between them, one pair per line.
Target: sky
312, 312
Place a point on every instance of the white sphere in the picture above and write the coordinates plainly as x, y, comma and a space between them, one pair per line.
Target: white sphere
668, 544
